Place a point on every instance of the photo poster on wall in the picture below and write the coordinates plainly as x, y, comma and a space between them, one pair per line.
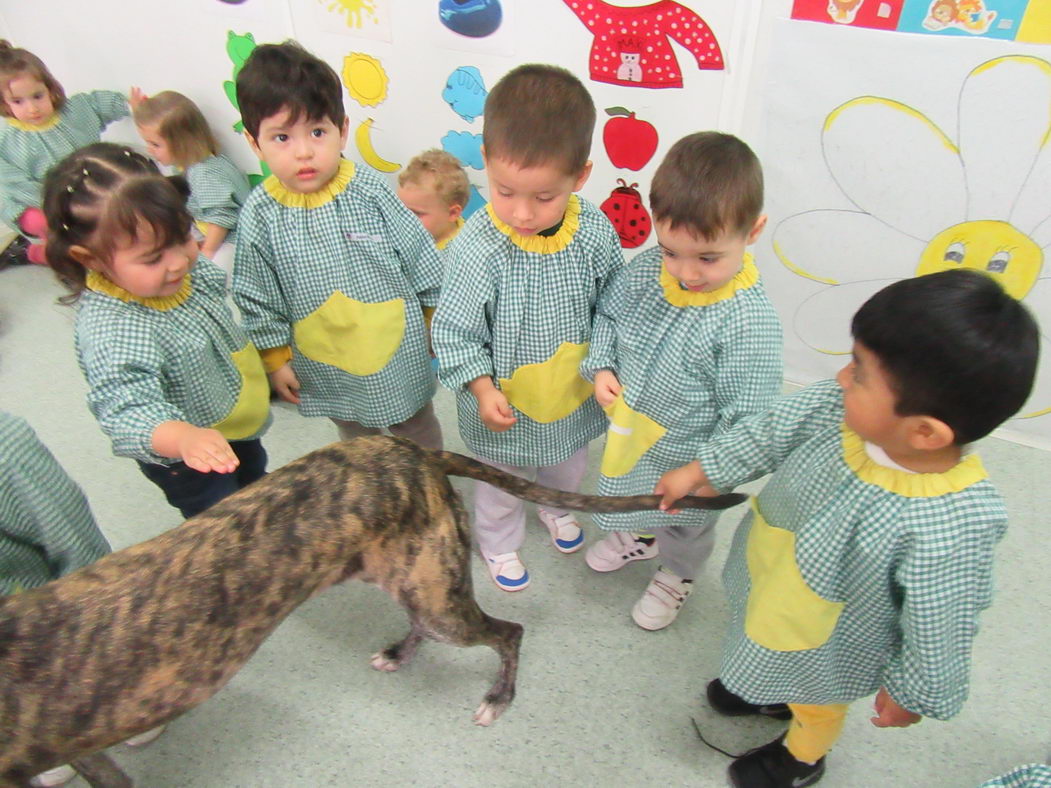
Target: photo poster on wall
874, 175
1012, 20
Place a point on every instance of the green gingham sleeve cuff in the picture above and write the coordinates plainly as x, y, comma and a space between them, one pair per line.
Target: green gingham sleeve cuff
109, 105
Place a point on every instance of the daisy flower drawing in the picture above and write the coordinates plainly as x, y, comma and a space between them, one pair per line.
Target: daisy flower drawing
927, 200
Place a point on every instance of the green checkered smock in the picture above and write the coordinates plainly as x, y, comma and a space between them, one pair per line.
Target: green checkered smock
28, 152
348, 268
46, 527
694, 363
148, 361
1033, 775
218, 189
509, 301
849, 575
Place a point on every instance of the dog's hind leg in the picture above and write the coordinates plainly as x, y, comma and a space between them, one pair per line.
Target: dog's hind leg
400, 653
100, 771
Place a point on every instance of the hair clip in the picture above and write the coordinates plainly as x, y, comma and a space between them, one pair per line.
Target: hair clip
127, 152
70, 188
65, 227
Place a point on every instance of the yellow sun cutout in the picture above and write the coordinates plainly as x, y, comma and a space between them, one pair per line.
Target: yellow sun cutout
365, 79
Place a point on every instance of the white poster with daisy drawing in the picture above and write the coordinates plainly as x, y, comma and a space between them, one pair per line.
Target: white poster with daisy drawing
888, 156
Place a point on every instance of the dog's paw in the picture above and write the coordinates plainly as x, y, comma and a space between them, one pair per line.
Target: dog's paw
487, 713
381, 661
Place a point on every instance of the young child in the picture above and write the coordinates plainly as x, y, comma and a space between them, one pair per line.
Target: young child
686, 343
332, 272
435, 188
868, 555
46, 531
176, 134
173, 380
42, 127
516, 312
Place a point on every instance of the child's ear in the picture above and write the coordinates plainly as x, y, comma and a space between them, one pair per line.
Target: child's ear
252, 144
757, 229
455, 212
344, 133
85, 257
583, 177
927, 433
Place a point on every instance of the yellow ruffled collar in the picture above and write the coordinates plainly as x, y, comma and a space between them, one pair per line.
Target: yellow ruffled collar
448, 239
966, 472
676, 296
539, 243
326, 194
100, 284
50, 123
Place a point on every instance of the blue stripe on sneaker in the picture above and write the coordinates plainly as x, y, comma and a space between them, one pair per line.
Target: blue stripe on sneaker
507, 581
565, 544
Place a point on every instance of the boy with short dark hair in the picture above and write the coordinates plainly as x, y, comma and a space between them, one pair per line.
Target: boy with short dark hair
686, 344
868, 555
517, 304
332, 272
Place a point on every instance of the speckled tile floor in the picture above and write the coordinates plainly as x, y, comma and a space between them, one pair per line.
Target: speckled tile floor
600, 701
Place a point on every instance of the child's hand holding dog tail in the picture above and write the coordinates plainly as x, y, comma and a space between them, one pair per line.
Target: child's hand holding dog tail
201, 448
676, 484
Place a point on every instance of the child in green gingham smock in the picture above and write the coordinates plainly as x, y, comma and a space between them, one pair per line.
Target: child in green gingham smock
28, 152
510, 301
218, 189
691, 364
46, 527
174, 358
334, 276
890, 568
1032, 775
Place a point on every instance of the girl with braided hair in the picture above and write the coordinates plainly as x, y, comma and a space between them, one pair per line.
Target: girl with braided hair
174, 381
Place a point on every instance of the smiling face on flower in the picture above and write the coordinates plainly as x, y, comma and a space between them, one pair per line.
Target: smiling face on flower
994, 248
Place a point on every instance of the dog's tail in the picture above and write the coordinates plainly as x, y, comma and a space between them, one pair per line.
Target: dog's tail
459, 465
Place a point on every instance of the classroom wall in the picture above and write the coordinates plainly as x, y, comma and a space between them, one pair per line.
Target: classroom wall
831, 188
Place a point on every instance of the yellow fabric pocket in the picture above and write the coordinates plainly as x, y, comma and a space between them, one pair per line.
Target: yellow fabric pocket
783, 612
552, 389
252, 407
631, 434
356, 337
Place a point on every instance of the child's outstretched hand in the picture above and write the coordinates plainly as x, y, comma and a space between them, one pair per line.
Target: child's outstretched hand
285, 383
607, 387
681, 482
136, 97
206, 450
201, 448
890, 715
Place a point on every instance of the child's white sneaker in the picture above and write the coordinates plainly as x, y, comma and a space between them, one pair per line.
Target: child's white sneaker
618, 549
507, 571
60, 775
145, 738
662, 600
564, 529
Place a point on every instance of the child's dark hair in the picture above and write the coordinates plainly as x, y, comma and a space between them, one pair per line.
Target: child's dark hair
955, 346
286, 78
708, 183
15, 62
103, 194
180, 122
538, 115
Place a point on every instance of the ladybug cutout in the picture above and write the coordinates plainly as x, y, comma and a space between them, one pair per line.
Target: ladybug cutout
625, 210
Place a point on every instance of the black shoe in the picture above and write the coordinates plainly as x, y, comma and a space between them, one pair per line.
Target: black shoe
15, 252
730, 705
772, 766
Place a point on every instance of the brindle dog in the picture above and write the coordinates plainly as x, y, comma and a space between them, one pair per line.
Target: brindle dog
151, 631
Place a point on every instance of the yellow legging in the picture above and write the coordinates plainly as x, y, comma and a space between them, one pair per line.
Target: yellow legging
814, 729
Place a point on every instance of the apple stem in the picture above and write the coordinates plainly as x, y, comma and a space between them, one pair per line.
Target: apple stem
619, 111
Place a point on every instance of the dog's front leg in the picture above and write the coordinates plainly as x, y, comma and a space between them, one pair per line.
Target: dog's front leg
100, 771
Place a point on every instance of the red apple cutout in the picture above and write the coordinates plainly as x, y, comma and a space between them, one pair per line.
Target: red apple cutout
630, 142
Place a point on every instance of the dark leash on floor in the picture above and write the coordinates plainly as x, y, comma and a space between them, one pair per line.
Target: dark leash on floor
147, 633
